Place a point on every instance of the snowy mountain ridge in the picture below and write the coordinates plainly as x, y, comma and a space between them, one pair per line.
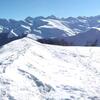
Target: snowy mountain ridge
38, 71
49, 27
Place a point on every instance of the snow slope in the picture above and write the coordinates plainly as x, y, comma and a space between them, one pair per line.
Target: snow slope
33, 71
52, 23
89, 38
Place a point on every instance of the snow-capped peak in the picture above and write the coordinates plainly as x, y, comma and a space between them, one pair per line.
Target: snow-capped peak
50, 27
52, 23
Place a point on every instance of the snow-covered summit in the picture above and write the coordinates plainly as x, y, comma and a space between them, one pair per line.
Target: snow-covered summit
38, 71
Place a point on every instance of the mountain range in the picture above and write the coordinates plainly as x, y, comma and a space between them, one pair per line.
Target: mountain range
42, 59
79, 31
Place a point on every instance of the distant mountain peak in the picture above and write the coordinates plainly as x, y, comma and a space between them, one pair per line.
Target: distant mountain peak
50, 27
29, 19
52, 17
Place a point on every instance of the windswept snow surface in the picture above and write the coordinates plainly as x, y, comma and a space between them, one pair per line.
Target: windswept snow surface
33, 71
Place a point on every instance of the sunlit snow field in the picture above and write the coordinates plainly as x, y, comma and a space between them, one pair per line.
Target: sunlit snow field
33, 71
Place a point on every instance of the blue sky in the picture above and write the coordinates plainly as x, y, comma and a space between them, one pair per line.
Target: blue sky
19, 9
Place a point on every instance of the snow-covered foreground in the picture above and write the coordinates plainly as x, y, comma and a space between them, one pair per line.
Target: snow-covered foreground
33, 71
